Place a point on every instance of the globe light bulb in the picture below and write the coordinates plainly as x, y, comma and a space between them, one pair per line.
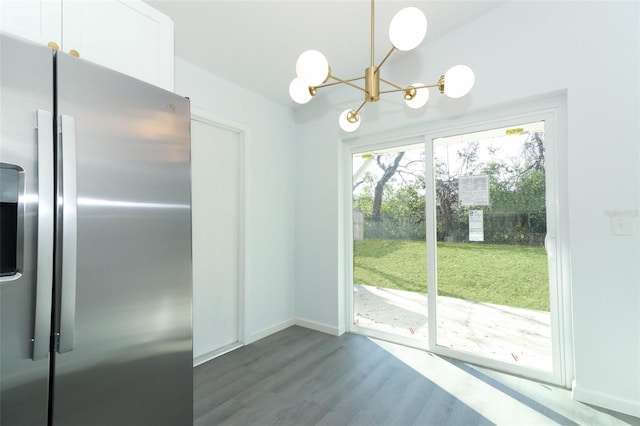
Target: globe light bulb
312, 68
419, 96
408, 28
299, 91
345, 124
458, 81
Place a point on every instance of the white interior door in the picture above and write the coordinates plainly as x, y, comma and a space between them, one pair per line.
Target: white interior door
216, 189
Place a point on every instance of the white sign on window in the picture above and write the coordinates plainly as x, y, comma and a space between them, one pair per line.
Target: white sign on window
473, 190
476, 225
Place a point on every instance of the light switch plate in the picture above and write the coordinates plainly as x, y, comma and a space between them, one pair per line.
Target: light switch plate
620, 225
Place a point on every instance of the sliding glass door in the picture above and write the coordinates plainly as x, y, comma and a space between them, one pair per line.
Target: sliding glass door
453, 245
389, 292
492, 271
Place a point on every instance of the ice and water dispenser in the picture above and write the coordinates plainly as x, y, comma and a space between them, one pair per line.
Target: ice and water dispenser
9, 190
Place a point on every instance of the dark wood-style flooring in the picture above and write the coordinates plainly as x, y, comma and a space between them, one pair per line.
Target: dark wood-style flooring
303, 377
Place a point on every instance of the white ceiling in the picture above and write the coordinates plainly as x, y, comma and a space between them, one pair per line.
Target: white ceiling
255, 44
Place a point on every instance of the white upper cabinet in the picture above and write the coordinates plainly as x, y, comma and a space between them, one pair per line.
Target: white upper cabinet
36, 20
125, 35
128, 36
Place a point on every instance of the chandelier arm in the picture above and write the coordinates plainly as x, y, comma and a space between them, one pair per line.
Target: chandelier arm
424, 86
336, 83
386, 57
391, 84
360, 107
341, 81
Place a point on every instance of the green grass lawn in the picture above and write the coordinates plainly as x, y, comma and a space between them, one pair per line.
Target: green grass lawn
502, 274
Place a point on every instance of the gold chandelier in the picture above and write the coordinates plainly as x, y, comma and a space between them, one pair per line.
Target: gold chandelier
406, 31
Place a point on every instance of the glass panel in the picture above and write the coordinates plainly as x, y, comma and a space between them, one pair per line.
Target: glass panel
492, 268
389, 248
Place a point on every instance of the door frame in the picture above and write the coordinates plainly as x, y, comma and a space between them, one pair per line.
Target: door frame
242, 131
551, 108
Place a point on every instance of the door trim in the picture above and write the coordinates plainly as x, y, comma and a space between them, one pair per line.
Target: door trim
242, 131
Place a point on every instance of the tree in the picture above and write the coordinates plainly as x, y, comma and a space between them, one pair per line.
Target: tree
407, 200
520, 187
363, 202
389, 169
534, 152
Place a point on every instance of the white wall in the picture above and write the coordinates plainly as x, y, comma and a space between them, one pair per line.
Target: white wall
520, 50
269, 194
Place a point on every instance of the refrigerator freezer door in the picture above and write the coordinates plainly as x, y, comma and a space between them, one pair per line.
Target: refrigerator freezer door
130, 362
26, 86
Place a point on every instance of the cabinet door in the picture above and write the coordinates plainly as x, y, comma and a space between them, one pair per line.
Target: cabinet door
37, 20
128, 36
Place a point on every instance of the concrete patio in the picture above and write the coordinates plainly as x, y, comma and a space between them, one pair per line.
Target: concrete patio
514, 335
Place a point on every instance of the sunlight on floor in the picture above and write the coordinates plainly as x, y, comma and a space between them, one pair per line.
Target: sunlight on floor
521, 401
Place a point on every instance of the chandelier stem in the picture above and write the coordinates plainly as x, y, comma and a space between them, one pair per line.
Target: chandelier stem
387, 57
372, 30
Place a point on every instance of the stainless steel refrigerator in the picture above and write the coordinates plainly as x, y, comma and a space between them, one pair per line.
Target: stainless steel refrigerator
95, 241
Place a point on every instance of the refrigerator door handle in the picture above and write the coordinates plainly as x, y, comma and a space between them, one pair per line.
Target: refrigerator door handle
44, 274
69, 234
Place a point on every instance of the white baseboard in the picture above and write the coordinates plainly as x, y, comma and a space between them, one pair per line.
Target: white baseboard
214, 354
269, 331
342, 329
324, 328
610, 402
254, 337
